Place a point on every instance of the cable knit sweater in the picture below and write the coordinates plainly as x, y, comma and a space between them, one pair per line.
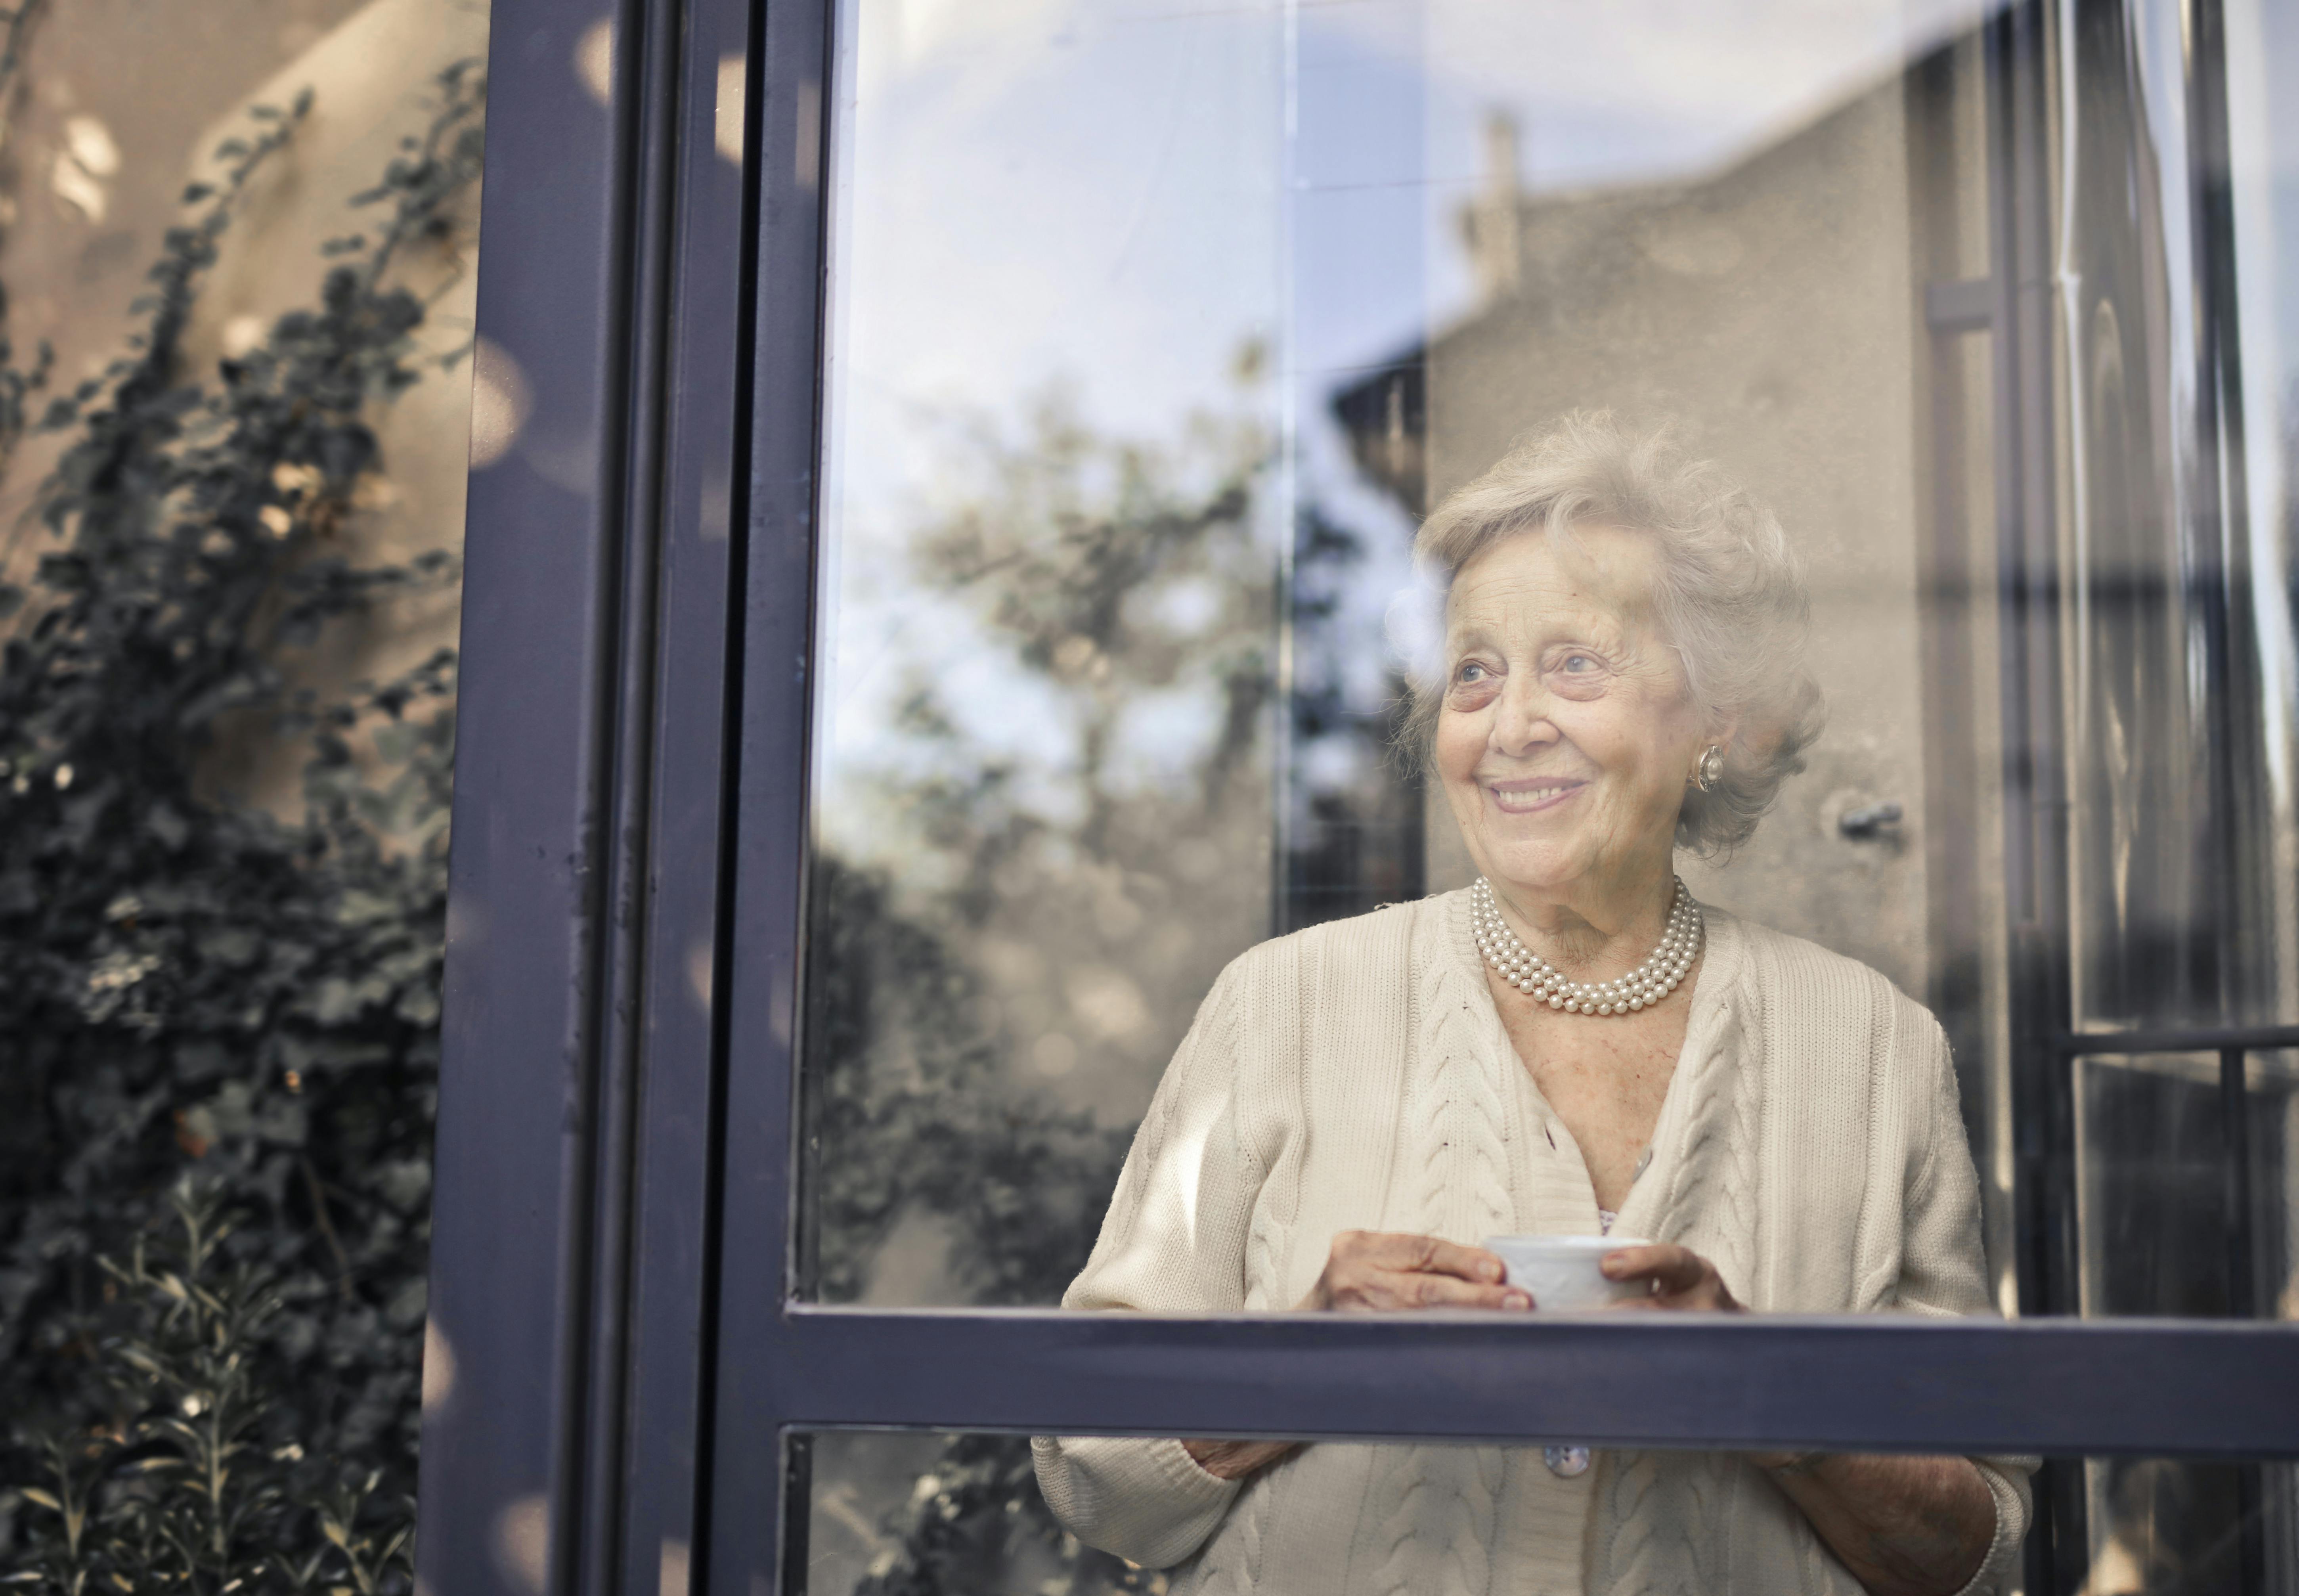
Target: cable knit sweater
1356, 1075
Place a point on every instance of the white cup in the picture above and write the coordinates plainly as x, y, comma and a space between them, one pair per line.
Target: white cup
1564, 1273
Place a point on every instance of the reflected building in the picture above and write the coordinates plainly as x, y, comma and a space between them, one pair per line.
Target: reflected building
1818, 314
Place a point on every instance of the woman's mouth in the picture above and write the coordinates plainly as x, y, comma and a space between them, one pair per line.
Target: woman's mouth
1530, 797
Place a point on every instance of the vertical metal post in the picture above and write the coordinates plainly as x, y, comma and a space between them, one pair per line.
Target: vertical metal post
798, 1510
570, 1267
2234, 1118
2035, 802
503, 1438
2219, 522
757, 1494
2243, 1291
675, 892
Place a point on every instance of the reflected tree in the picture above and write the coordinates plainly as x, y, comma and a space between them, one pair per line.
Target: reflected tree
1076, 795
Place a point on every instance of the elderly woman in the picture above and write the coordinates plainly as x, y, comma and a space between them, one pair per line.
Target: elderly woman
1570, 1044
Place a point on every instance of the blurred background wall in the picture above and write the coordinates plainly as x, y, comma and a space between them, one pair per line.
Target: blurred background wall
117, 106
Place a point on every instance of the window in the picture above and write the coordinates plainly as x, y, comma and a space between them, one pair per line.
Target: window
1106, 356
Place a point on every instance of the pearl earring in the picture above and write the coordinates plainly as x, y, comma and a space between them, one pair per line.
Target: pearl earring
1711, 769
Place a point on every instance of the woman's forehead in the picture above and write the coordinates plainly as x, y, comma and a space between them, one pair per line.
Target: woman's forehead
1593, 574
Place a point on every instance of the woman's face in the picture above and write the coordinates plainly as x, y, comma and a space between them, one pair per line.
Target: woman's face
1566, 733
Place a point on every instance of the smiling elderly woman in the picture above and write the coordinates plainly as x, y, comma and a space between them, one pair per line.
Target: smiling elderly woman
1571, 1042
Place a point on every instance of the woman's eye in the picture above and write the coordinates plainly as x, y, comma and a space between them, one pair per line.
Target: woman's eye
1579, 663
1472, 672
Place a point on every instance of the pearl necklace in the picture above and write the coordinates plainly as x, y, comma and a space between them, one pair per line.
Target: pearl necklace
1640, 988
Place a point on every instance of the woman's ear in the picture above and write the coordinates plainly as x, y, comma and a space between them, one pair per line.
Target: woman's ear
1712, 753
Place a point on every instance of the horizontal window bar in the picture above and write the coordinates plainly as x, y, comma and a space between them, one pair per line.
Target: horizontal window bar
1882, 1383
2199, 1039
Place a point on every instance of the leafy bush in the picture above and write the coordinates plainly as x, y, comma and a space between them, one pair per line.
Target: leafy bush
195, 1479
187, 982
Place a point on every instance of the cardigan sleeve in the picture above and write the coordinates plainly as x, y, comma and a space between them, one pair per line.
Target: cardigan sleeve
1173, 1242
1942, 1271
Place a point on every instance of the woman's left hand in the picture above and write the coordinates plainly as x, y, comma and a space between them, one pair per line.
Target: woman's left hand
1906, 1526
1680, 1279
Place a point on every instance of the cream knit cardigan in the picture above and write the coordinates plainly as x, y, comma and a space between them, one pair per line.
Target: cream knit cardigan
1356, 1075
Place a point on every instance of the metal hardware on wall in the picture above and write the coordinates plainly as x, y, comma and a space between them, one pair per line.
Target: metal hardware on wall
1870, 821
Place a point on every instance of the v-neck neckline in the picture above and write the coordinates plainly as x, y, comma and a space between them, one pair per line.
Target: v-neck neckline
1672, 1129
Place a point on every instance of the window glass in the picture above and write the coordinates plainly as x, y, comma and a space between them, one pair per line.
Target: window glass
2176, 562
927, 1512
1157, 333
2173, 1221
2263, 170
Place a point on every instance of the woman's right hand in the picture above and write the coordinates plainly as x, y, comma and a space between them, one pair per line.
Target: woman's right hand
1368, 1271
1372, 1271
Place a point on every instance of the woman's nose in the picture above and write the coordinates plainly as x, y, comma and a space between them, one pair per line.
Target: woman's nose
1522, 722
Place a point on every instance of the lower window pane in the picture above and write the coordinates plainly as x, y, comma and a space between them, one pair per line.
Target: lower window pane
2172, 1221
922, 1513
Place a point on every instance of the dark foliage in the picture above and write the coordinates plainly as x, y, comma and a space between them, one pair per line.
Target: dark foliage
914, 1098
193, 1478
188, 983
985, 1512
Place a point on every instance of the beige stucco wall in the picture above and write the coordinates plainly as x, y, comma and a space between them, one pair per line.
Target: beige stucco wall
120, 102
1770, 312
373, 83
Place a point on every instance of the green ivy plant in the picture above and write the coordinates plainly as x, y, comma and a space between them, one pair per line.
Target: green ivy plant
188, 982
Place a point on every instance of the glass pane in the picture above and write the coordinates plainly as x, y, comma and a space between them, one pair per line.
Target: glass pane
2179, 709
2168, 1525
2272, 1110
1123, 473
2153, 1151
1157, 335
925, 1513
2173, 1219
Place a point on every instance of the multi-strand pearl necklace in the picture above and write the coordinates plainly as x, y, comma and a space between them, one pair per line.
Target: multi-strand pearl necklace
1640, 988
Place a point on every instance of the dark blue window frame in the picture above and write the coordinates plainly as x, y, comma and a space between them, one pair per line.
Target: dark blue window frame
619, 1160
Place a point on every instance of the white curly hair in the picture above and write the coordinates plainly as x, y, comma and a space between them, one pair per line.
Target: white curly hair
1729, 593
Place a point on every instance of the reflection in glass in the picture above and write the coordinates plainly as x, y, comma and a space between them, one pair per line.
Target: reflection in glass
2176, 1218
924, 1513
1121, 479
2166, 1525
2272, 1112
2180, 715
1155, 333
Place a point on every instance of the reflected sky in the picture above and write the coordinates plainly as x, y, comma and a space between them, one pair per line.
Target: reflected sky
1088, 189
1114, 199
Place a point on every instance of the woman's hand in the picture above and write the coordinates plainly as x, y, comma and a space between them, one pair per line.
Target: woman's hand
1906, 1526
1679, 1277
1370, 1271
1235, 1459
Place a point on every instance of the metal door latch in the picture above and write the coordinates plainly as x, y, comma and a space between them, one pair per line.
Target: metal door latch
1866, 824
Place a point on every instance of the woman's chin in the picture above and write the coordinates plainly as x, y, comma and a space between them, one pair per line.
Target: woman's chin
1544, 867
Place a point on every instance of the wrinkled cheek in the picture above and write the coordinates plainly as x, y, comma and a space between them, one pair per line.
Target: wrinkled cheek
1460, 745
